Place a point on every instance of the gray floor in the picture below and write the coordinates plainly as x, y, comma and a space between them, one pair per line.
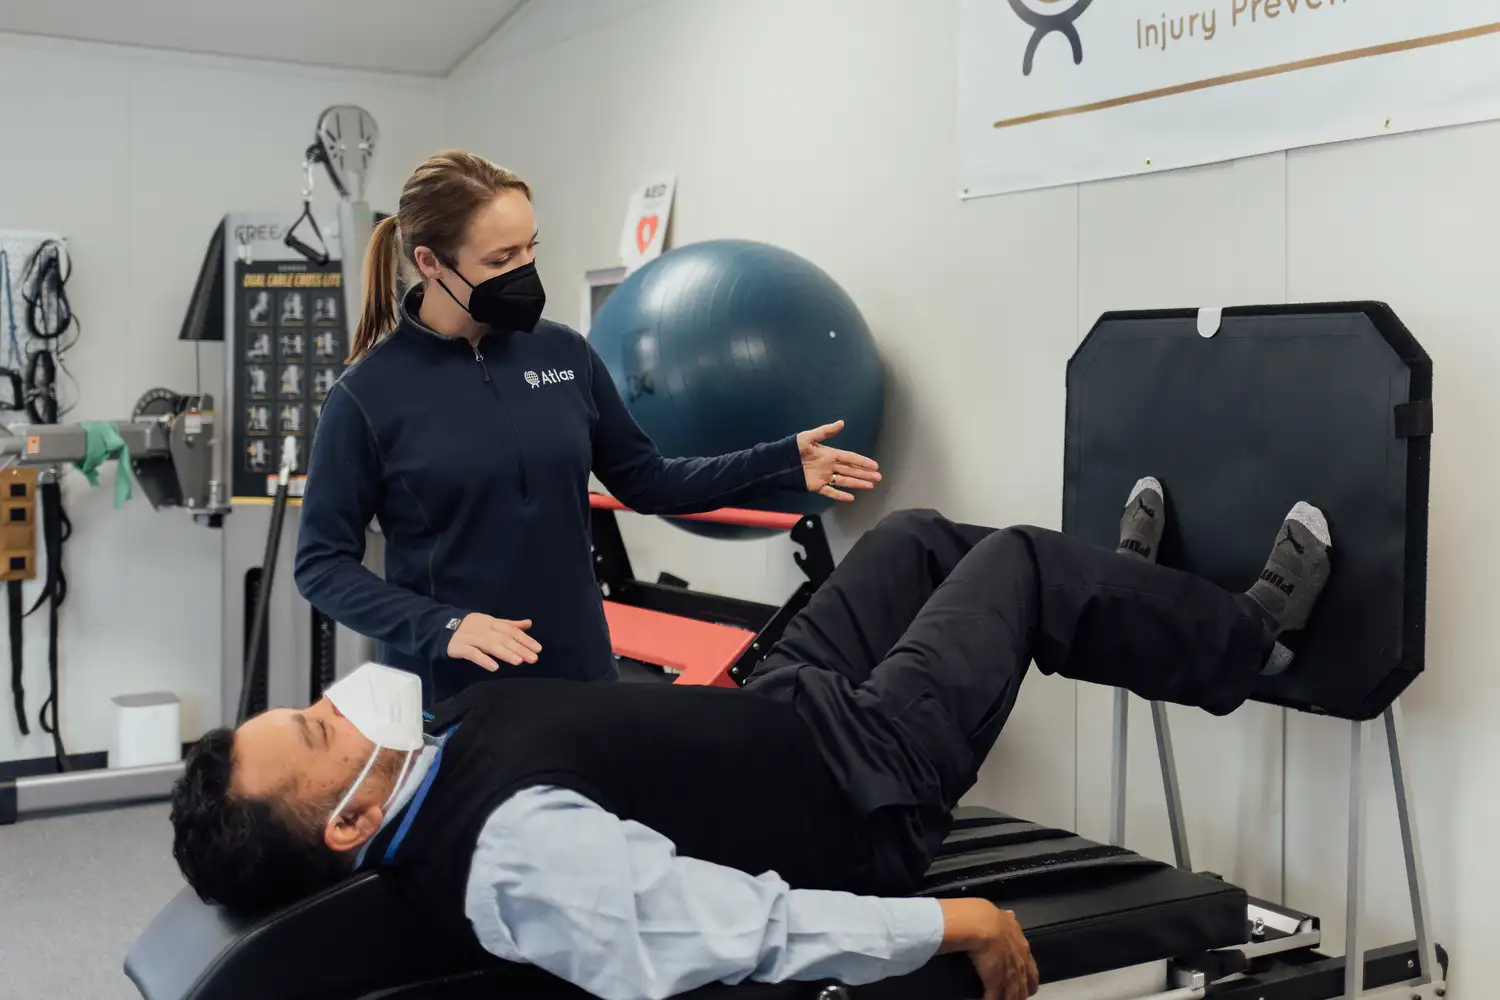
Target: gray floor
74, 893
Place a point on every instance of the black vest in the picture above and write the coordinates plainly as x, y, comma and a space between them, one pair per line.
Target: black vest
730, 777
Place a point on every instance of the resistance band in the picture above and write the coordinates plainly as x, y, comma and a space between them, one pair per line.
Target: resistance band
49, 318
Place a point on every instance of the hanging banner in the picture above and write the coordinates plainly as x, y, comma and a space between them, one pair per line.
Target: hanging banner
1061, 91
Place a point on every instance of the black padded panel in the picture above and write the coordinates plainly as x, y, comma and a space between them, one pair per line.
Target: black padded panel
1325, 403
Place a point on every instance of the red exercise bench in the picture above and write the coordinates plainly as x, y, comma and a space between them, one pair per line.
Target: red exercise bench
696, 637
697, 652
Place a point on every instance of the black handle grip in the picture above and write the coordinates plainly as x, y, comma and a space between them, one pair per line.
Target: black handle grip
317, 257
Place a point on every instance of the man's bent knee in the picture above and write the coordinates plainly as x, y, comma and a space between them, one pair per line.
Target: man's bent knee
910, 521
1015, 542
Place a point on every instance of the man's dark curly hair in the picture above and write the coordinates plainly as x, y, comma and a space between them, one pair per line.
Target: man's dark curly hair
250, 855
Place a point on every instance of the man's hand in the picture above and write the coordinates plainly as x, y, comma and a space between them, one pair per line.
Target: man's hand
995, 945
484, 640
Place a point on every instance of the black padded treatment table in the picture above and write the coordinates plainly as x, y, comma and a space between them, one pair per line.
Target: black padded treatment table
1087, 909
1241, 413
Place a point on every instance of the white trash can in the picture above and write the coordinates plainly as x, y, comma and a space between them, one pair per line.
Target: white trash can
148, 730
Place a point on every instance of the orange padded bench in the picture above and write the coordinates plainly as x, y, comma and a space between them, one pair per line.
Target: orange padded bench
700, 652
697, 651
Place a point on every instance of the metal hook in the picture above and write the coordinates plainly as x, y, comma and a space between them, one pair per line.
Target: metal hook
307, 187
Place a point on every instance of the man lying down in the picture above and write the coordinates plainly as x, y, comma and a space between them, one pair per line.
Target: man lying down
641, 840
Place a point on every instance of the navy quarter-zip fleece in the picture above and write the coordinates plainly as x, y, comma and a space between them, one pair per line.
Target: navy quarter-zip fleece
474, 460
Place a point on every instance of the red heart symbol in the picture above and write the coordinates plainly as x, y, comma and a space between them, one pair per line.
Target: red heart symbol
645, 231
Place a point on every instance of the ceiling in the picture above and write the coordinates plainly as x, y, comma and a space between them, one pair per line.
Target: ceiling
428, 37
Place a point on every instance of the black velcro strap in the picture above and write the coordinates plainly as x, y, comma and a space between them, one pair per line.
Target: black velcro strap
1414, 419
17, 687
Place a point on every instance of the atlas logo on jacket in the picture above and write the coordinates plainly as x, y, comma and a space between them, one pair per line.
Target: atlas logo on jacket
551, 376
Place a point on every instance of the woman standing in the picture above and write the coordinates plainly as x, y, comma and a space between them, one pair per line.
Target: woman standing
476, 468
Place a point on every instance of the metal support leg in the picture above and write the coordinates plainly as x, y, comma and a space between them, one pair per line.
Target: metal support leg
1416, 875
1117, 769
356, 223
1169, 784
1354, 954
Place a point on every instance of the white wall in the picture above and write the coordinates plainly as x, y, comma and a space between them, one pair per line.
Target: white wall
134, 155
827, 126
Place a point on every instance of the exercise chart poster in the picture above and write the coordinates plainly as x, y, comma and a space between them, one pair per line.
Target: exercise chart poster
290, 350
1064, 91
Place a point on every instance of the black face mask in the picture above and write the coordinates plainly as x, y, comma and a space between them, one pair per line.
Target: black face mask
509, 301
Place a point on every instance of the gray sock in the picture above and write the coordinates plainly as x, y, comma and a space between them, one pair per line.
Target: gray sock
1297, 570
1143, 521
1278, 661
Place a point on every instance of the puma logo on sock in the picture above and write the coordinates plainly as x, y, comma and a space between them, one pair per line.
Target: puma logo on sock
1139, 535
1291, 583
1277, 580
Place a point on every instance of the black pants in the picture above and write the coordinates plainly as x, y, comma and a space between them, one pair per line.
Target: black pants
907, 661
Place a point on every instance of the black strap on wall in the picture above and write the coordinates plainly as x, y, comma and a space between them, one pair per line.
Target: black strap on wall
17, 401
17, 688
56, 529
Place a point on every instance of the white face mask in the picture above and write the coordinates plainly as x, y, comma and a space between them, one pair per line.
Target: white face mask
385, 705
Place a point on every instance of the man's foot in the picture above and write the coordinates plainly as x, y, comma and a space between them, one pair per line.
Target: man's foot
1143, 521
1297, 570
1278, 661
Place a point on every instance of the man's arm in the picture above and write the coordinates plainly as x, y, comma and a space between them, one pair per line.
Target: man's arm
993, 940
607, 905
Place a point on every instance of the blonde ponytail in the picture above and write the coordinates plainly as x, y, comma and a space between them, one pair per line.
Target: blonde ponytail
377, 314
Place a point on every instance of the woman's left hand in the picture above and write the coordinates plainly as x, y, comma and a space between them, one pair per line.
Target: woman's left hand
832, 471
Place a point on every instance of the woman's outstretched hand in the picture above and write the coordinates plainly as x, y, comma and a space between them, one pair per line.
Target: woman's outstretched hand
831, 472
485, 641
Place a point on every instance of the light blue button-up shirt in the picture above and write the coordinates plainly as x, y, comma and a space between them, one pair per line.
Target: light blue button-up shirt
608, 905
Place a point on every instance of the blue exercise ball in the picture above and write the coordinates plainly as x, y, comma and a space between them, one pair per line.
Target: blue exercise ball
725, 344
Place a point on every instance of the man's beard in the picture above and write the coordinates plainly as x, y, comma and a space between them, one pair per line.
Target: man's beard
383, 775
389, 766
